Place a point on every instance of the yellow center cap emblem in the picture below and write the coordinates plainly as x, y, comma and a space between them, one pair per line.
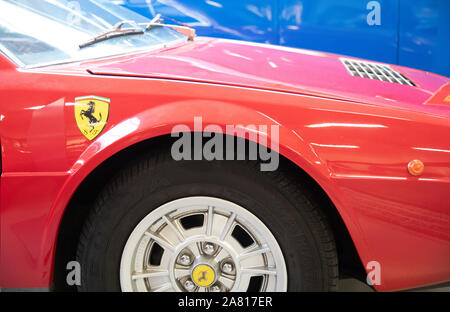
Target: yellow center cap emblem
203, 275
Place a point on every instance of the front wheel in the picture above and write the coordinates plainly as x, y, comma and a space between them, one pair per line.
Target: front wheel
202, 244
205, 227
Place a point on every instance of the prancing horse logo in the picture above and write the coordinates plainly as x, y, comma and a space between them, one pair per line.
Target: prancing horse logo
91, 115
202, 276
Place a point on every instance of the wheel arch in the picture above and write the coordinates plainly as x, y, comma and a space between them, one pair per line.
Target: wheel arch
77, 207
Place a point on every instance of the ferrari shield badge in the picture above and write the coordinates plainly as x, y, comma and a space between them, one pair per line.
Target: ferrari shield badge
91, 115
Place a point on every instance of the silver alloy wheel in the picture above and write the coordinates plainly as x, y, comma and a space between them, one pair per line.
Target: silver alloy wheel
200, 244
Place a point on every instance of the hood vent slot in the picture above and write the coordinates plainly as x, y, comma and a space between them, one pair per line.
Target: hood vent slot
375, 71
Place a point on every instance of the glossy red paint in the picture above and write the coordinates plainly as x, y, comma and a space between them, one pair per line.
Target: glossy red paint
354, 136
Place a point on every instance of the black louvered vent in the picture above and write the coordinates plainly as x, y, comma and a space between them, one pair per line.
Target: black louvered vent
375, 71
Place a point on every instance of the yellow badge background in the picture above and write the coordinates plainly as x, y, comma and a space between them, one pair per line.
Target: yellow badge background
203, 275
91, 115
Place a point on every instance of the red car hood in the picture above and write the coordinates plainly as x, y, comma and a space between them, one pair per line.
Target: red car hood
276, 68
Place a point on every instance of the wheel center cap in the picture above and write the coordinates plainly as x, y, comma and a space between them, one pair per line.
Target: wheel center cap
203, 275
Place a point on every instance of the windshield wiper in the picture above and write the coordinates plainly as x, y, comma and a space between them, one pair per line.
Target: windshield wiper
117, 31
185, 30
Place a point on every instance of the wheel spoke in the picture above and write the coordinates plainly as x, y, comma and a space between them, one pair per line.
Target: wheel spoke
174, 228
181, 272
226, 229
161, 241
209, 222
150, 274
164, 287
256, 271
226, 281
222, 254
243, 284
255, 252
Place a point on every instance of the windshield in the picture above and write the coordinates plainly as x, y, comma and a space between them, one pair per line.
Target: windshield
36, 32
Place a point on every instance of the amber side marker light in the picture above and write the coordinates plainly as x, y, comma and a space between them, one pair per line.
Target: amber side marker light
416, 167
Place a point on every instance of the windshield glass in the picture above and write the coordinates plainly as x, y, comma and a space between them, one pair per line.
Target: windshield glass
35, 32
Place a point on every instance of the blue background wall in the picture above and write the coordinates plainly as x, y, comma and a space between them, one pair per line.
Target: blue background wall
413, 33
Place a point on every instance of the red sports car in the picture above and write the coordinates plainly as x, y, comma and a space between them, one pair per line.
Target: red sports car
136, 157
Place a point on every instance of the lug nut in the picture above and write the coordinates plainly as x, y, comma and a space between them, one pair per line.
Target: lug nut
189, 285
214, 288
184, 259
208, 249
227, 267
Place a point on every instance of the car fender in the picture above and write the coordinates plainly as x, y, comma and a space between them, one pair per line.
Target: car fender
153, 122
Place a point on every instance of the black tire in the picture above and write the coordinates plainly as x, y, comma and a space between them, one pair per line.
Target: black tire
282, 205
